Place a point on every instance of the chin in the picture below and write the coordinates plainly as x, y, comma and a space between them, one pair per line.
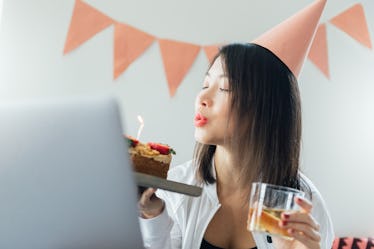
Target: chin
200, 138
203, 140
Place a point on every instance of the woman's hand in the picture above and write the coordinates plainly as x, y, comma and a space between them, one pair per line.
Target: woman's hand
301, 226
149, 204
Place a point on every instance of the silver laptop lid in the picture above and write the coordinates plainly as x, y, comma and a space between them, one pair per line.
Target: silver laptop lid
65, 179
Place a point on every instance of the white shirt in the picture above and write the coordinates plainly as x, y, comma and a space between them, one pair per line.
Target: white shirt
183, 223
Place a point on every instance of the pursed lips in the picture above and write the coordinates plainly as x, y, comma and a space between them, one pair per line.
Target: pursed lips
200, 120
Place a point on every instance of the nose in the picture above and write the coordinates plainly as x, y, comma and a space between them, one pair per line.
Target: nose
204, 99
204, 103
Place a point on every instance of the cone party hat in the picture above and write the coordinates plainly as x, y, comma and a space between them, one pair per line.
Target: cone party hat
291, 39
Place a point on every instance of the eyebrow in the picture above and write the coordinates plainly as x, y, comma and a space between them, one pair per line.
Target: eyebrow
219, 76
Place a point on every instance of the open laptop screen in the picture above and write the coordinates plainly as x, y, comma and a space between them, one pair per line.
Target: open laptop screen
65, 179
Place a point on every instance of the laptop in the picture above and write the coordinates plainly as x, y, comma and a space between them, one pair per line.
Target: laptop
65, 177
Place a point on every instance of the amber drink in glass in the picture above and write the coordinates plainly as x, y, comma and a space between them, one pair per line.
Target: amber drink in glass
267, 203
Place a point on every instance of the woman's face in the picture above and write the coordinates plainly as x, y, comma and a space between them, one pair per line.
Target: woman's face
212, 107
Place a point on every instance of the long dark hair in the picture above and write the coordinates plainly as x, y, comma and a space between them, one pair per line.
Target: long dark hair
267, 112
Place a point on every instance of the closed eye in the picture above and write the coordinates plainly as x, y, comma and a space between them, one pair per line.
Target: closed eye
224, 90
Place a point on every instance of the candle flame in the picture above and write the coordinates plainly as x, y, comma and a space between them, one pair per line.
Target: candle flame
141, 121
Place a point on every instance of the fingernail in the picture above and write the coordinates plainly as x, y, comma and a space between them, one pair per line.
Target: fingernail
282, 223
286, 216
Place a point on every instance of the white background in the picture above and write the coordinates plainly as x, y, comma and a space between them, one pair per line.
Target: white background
338, 114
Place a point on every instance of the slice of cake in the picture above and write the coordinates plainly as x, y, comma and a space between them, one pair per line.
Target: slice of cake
150, 158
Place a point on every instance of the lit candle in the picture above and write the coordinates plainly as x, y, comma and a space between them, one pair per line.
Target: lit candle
140, 119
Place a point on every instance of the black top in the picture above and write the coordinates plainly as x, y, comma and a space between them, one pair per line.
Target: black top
206, 245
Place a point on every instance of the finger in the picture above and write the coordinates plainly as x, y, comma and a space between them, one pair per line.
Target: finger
302, 229
149, 192
304, 238
304, 218
305, 204
146, 196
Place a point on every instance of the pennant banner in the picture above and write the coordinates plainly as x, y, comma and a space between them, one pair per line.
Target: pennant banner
129, 44
85, 23
353, 22
318, 51
177, 56
210, 52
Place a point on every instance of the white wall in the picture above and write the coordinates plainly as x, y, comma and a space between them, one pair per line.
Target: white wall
1, 10
338, 137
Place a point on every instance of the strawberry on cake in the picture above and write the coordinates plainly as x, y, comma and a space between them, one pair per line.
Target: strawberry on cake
150, 158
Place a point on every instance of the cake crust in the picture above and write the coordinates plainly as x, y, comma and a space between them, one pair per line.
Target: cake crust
149, 166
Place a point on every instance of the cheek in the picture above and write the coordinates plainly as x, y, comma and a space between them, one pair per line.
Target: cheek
229, 123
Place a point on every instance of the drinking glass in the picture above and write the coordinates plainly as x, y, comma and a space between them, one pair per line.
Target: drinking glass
267, 203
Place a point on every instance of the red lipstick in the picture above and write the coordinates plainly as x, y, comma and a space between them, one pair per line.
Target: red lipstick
200, 120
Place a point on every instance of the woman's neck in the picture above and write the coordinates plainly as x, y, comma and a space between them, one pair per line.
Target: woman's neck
227, 172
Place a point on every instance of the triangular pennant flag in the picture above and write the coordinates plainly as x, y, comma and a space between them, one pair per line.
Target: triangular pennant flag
291, 39
211, 51
318, 51
129, 44
85, 23
178, 58
353, 22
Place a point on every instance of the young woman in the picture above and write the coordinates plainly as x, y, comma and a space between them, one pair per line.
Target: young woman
248, 128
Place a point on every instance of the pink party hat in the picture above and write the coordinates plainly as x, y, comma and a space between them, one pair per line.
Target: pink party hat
291, 39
